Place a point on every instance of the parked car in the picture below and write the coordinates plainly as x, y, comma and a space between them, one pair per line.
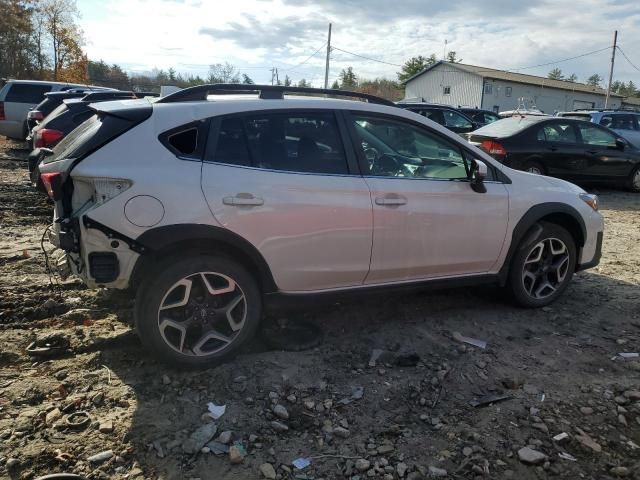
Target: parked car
479, 116
52, 100
566, 148
447, 116
64, 119
215, 210
624, 123
17, 97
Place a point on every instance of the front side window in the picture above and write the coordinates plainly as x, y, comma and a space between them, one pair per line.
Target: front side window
435, 115
490, 118
393, 148
558, 133
305, 142
454, 119
596, 136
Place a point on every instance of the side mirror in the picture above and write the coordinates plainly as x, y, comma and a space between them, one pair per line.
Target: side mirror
620, 144
478, 175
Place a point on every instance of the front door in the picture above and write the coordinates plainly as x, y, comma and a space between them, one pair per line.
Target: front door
427, 221
283, 181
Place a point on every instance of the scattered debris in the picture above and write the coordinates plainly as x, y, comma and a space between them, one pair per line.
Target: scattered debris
489, 399
267, 471
437, 472
567, 456
561, 437
531, 456
237, 453
50, 346
101, 457
199, 438
629, 354
78, 420
375, 355
471, 341
301, 463
216, 411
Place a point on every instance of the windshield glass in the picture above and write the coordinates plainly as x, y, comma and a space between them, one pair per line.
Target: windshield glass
506, 127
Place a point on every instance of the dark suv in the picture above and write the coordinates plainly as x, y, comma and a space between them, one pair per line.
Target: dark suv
446, 116
480, 116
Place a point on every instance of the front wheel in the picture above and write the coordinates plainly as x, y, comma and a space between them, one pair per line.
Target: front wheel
198, 311
634, 180
542, 268
534, 167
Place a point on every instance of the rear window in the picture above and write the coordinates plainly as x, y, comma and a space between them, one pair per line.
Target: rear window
26, 93
71, 144
56, 112
578, 116
506, 127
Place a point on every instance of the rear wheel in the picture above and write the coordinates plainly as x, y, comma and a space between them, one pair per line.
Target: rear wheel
534, 167
198, 311
542, 268
634, 180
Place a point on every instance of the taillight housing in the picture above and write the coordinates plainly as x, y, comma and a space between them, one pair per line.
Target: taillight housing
36, 115
47, 137
52, 184
2, 111
493, 148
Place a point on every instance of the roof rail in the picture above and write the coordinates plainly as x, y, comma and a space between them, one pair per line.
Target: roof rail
99, 96
266, 92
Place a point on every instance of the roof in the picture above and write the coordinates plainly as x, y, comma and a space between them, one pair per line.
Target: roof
46, 82
493, 73
631, 101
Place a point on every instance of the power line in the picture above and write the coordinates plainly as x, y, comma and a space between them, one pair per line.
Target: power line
627, 59
306, 60
367, 58
559, 61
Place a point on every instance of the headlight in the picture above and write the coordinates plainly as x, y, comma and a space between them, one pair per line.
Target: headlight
591, 200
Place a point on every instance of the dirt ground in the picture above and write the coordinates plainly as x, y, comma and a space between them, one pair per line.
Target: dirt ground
410, 416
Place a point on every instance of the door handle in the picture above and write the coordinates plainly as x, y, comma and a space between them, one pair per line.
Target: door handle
553, 149
243, 199
391, 200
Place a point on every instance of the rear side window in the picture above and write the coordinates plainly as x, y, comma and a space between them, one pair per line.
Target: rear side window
26, 93
454, 119
187, 141
304, 142
557, 132
622, 121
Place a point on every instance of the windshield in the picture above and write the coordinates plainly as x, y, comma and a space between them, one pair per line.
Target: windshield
506, 127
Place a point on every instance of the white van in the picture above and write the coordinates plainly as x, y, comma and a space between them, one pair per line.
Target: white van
17, 97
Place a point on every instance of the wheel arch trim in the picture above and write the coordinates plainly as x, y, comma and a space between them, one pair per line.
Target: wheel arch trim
170, 238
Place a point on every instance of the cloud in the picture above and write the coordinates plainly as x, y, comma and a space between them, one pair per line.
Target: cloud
276, 33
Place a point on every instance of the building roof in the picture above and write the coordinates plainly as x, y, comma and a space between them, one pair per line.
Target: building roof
631, 101
518, 78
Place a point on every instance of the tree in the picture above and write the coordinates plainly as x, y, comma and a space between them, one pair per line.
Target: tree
59, 17
555, 74
572, 78
335, 85
16, 39
415, 65
247, 80
220, 73
287, 81
594, 80
382, 87
348, 79
304, 83
451, 57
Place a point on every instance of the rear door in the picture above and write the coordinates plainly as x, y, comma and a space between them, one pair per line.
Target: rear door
624, 124
561, 152
286, 183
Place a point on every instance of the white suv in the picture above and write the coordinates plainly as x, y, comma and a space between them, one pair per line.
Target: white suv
215, 201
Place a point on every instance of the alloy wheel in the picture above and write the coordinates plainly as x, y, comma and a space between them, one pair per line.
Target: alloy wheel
535, 170
635, 181
202, 314
545, 268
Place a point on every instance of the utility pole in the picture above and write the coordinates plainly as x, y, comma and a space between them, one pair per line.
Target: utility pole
326, 68
613, 60
273, 74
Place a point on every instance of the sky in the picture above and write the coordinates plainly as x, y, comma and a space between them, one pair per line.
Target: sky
290, 35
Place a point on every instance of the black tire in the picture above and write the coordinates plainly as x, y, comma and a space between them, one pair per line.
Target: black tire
633, 183
550, 233
158, 283
529, 166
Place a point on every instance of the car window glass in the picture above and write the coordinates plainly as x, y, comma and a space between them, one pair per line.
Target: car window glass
607, 121
597, 136
490, 118
26, 93
393, 148
623, 122
185, 141
454, 119
307, 142
435, 115
557, 132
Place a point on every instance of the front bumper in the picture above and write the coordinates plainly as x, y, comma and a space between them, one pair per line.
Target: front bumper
596, 256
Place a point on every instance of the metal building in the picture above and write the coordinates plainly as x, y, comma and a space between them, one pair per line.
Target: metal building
459, 84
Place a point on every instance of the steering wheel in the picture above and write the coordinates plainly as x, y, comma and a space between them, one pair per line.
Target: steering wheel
388, 166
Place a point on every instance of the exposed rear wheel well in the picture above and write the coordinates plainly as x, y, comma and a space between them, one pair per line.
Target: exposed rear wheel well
151, 262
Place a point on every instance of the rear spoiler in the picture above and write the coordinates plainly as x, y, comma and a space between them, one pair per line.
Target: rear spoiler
134, 110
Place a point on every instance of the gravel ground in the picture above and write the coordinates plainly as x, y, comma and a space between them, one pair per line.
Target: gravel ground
412, 415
